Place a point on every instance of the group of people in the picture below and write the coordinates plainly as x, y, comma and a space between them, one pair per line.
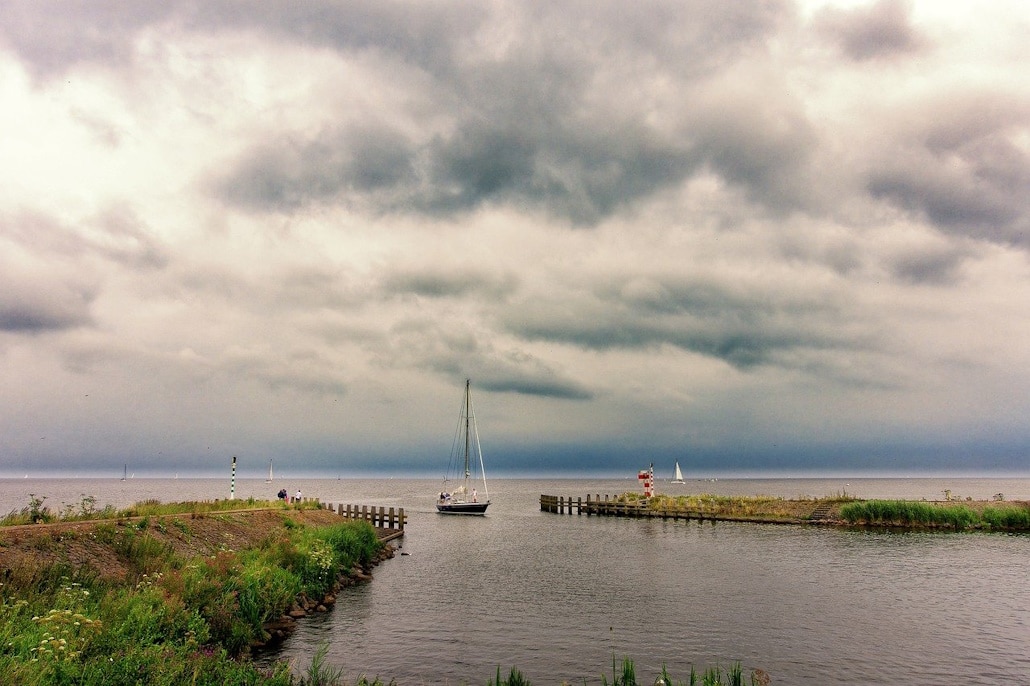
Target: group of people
446, 497
284, 496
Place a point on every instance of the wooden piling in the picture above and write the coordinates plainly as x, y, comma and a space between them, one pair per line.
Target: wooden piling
389, 520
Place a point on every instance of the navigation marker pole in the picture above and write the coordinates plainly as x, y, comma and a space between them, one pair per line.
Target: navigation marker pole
232, 486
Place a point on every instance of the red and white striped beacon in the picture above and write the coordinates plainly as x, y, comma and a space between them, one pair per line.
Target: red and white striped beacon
646, 478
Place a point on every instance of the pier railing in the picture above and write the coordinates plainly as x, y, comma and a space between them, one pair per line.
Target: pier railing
389, 518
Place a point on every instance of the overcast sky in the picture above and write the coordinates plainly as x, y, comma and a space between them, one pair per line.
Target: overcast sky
764, 236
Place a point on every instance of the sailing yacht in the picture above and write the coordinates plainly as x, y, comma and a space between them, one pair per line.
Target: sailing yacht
468, 454
679, 475
269, 479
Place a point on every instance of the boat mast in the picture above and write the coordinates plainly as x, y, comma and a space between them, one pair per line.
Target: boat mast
468, 405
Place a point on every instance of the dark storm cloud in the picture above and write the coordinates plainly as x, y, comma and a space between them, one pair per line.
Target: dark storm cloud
967, 171
529, 125
440, 284
880, 30
566, 171
760, 144
51, 36
367, 161
57, 280
932, 267
745, 327
543, 385
457, 352
525, 127
35, 303
69, 309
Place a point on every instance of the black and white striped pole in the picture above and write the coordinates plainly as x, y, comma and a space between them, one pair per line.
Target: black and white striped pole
232, 485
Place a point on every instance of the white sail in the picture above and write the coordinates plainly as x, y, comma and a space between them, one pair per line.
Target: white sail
679, 475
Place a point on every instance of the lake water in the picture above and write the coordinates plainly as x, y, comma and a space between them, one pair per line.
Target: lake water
558, 595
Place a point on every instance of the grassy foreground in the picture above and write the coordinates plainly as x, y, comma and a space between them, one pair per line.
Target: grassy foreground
174, 618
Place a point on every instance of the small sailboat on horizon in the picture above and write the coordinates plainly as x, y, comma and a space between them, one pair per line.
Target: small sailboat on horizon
269, 479
465, 452
678, 479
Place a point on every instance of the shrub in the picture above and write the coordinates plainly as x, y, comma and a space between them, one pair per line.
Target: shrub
1008, 518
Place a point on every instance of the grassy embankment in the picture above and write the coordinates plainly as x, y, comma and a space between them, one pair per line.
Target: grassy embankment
845, 510
37, 512
737, 507
173, 617
960, 517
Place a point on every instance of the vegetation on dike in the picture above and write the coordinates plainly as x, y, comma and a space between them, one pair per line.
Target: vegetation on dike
949, 514
175, 618
744, 507
903, 513
37, 512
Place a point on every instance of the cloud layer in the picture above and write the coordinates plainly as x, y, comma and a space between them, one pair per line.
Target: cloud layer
747, 236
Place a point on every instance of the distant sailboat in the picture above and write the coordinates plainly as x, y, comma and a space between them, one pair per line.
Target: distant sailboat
679, 475
125, 472
269, 479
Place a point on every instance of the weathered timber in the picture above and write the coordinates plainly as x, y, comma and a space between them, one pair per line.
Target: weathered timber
388, 518
592, 506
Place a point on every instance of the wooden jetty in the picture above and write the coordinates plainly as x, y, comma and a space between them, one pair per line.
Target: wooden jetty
611, 507
389, 520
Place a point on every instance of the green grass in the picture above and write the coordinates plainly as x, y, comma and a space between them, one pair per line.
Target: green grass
37, 512
706, 504
180, 620
626, 675
933, 515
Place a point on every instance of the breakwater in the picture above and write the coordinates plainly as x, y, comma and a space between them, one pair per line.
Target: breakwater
841, 510
778, 511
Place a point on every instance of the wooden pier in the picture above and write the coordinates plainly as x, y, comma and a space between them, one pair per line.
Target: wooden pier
592, 506
390, 519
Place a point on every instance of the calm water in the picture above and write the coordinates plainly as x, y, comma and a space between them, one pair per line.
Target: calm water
557, 595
